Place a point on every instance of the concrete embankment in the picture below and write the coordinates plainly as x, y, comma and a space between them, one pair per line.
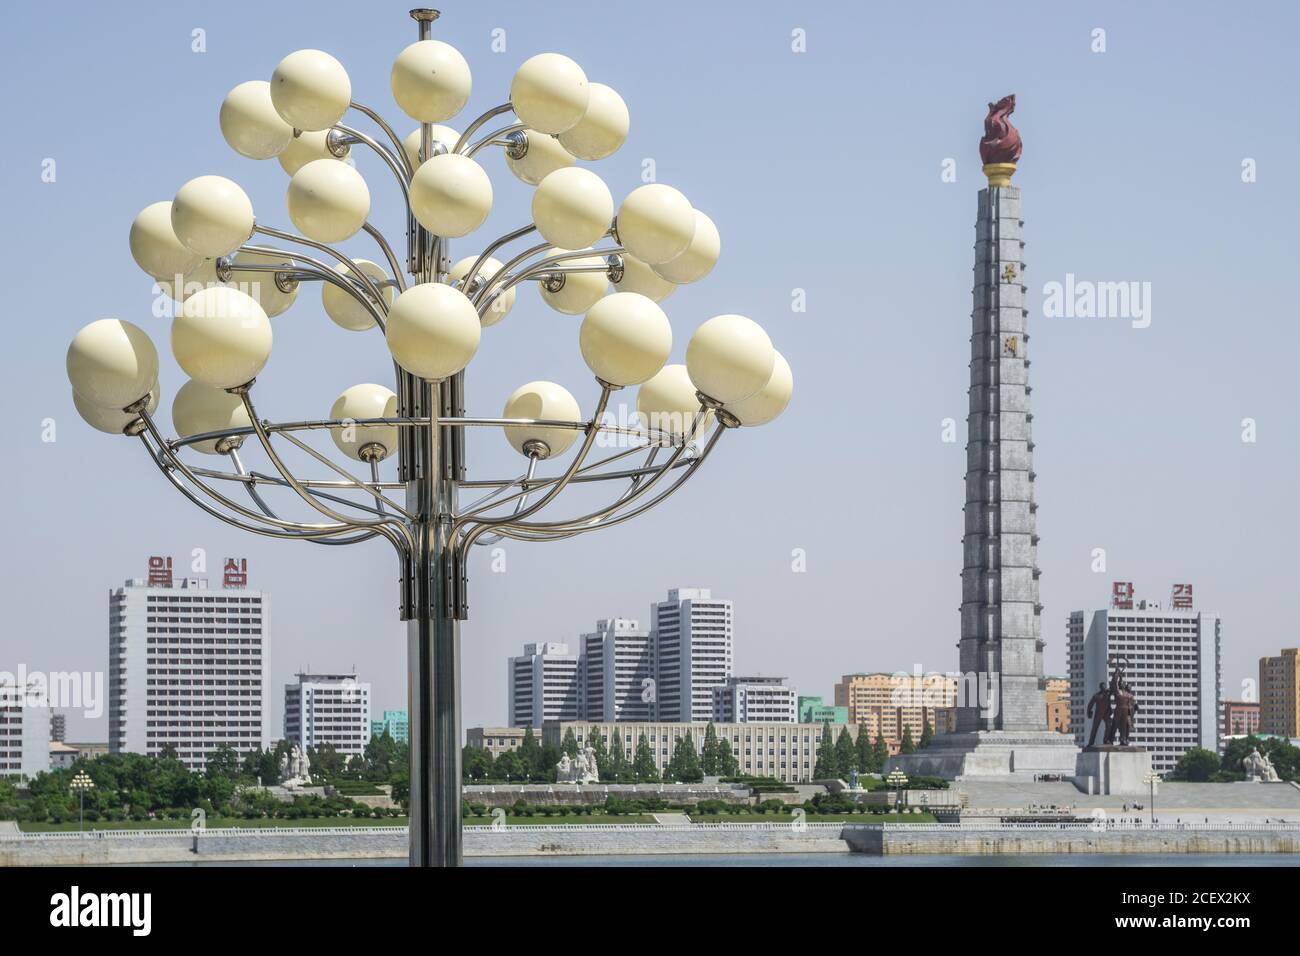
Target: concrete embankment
923, 839
255, 845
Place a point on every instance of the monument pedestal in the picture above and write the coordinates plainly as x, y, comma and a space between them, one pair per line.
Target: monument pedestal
1113, 770
1018, 755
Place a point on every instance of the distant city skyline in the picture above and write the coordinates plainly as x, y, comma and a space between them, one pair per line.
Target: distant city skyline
1165, 452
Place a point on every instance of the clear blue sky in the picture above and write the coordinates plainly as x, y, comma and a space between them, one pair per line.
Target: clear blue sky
822, 171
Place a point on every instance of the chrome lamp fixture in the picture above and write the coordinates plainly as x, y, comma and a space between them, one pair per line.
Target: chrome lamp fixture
205, 247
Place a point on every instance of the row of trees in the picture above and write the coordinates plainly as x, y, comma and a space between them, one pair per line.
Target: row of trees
138, 787
837, 757
535, 762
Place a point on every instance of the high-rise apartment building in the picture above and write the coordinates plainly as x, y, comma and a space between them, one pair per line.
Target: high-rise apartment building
187, 665
331, 709
1170, 657
1279, 694
395, 723
1056, 692
58, 727
750, 700
618, 671
543, 684
693, 652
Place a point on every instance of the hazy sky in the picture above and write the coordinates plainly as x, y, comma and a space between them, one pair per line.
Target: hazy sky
824, 172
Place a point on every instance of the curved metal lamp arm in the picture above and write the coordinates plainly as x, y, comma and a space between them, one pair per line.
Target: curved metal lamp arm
253, 493
315, 536
392, 162
592, 431
362, 277
520, 502
217, 496
399, 148
633, 493
389, 527
320, 271
475, 126
491, 137
393, 263
492, 247
498, 285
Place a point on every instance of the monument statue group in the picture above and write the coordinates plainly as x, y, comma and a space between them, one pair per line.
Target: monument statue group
1113, 708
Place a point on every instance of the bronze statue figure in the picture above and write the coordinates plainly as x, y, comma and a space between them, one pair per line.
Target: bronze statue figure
1099, 711
1001, 142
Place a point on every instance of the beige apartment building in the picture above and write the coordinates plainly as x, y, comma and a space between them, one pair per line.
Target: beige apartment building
498, 740
1279, 693
889, 704
1056, 692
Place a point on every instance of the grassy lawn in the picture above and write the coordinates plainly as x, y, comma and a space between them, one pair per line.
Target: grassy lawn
212, 824
815, 818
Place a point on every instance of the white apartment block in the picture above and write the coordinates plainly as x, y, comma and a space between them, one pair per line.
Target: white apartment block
187, 666
543, 684
1170, 657
755, 700
328, 709
787, 752
618, 671
24, 734
693, 653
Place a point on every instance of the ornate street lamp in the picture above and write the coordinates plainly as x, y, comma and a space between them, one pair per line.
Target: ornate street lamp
1151, 779
899, 780
81, 782
206, 241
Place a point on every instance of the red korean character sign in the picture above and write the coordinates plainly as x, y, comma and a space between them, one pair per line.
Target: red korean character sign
160, 572
235, 573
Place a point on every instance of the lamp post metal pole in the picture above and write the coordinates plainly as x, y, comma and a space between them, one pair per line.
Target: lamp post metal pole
430, 465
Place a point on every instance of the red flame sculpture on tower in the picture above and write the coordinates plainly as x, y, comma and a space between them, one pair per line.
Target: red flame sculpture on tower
1001, 142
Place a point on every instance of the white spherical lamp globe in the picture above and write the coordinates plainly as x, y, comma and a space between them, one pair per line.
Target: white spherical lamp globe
113, 363
770, 400
328, 201
625, 339
655, 223
549, 93
544, 156
431, 81
639, 277
730, 358
107, 419
154, 245
668, 403
580, 290
501, 303
342, 308
261, 285
221, 337
445, 135
306, 147
250, 123
359, 441
198, 409
212, 216
310, 90
544, 401
572, 208
200, 277
451, 195
433, 330
603, 127
699, 258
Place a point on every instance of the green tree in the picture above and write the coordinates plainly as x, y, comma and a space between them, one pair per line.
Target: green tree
728, 765
862, 750
223, 762
879, 754
509, 767
1196, 766
685, 764
927, 734
643, 763
709, 751
549, 758
619, 770
906, 746
530, 755
475, 763
570, 744
827, 767
596, 741
326, 762
846, 757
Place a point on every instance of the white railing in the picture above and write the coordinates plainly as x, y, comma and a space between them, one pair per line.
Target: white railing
177, 833
1094, 826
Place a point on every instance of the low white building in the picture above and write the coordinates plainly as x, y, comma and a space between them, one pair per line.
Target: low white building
749, 700
329, 709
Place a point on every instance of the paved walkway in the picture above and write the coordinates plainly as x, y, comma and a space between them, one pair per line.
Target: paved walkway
1188, 802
